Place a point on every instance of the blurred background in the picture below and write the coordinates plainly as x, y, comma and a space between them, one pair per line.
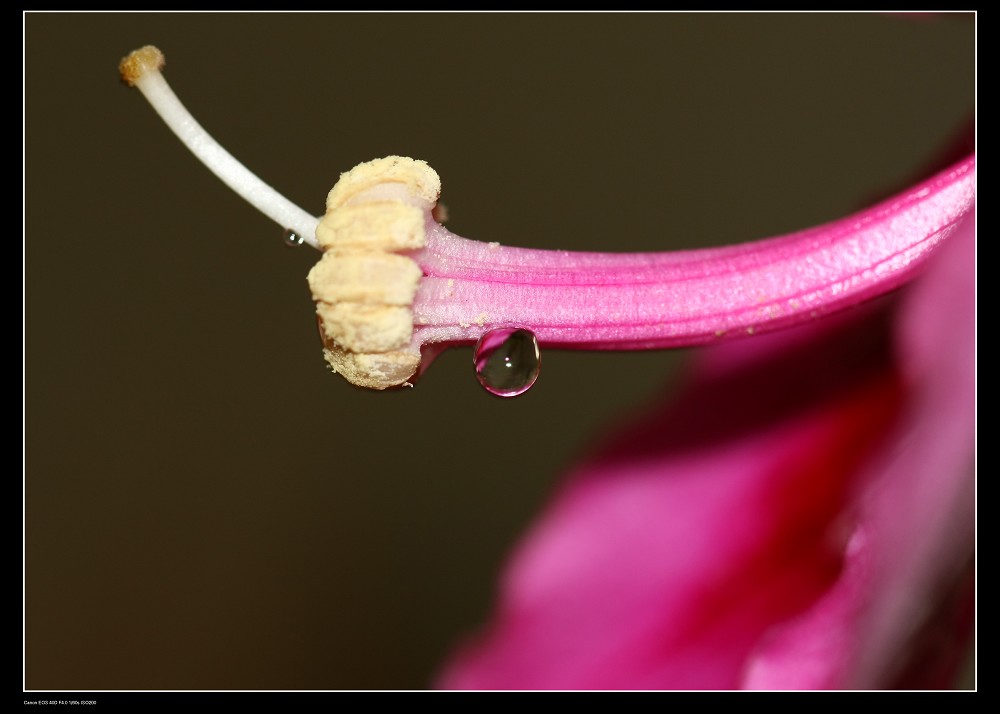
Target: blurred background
205, 506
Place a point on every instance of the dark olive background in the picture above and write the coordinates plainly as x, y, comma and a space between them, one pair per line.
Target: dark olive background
206, 507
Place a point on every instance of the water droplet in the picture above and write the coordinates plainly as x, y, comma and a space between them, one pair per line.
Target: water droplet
507, 361
293, 239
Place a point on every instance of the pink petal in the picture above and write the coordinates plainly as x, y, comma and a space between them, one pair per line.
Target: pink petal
782, 524
914, 538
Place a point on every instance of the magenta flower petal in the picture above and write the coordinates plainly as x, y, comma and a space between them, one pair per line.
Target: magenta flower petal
793, 519
908, 566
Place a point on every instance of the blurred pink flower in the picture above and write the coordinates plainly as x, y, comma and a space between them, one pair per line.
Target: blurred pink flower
800, 516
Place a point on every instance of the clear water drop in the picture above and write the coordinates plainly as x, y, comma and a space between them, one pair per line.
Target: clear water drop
507, 361
293, 239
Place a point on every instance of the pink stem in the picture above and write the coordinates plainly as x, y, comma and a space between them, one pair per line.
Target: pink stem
653, 300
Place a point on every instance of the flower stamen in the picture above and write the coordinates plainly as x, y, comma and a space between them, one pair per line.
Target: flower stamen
393, 281
141, 69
